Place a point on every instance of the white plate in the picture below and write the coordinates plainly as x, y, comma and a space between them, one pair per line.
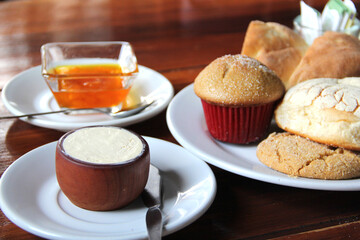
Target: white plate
192, 133
31, 198
27, 92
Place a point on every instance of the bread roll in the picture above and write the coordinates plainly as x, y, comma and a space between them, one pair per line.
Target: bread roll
333, 55
324, 110
276, 46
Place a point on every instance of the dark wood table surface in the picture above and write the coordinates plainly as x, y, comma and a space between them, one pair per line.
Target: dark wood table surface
177, 38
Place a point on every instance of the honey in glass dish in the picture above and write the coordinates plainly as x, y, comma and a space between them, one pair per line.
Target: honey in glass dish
90, 85
89, 74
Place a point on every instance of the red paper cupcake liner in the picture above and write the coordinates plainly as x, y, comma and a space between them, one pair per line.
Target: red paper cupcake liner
238, 124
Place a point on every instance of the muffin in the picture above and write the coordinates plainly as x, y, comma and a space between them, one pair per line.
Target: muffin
238, 96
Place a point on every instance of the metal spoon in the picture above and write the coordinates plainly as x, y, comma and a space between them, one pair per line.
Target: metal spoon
152, 197
117, 114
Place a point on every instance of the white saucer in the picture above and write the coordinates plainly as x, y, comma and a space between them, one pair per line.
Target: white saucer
27, 92
31, 198
192, 133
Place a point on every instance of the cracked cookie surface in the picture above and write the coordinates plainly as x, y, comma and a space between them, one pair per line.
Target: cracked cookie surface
298, 156
325, 110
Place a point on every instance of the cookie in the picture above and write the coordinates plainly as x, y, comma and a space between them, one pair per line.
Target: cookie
298, 156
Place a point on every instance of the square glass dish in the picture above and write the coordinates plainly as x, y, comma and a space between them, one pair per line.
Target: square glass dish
89, 74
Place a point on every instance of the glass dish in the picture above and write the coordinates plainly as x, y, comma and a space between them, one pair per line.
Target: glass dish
89, 74
309, 34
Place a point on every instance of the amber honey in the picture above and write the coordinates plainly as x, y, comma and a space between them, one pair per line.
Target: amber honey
89, 86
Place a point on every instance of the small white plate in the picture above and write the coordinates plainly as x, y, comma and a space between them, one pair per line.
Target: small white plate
31, 198
192, 133
27, 92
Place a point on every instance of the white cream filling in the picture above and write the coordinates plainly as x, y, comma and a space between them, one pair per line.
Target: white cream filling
103, 145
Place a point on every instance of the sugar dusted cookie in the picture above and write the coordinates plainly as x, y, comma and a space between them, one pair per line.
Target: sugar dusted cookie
298, 156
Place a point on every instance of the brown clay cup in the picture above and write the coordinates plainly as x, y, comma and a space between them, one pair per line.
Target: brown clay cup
101, 187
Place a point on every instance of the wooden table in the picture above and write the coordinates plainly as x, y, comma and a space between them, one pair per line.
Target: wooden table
178, 38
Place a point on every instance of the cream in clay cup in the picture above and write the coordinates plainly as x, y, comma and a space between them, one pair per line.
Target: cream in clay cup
102, 168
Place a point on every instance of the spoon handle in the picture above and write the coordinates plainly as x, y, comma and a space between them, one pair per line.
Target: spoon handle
120, 114
33, 114
52, 112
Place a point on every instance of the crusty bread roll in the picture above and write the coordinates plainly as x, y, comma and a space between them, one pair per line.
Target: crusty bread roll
324, 110
333, 55
236, 80
276, 46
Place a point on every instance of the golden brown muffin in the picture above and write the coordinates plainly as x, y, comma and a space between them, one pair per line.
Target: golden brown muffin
298, 156
238, 95
236, 80
276, 46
